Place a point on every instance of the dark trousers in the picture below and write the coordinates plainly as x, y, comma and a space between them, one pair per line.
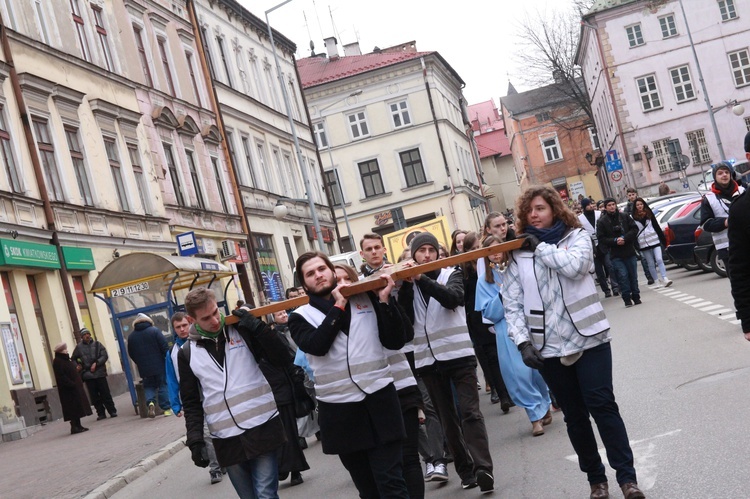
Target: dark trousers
100, 396
410, 455
487, 357
627, 276
585, 389
470, 447
603, 269
377, 472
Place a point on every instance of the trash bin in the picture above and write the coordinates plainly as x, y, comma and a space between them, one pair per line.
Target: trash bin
140, 396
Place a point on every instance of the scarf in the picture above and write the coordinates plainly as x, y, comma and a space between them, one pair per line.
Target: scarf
591, 217
326, 304
208, 334
725, 192
551, 235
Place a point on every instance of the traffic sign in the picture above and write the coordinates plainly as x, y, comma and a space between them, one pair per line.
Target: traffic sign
616, 175
186, 244
614, 165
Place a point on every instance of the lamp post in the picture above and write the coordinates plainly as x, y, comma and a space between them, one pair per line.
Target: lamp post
333, 168
305, 177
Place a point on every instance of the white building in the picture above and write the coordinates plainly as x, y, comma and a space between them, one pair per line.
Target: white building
643, 82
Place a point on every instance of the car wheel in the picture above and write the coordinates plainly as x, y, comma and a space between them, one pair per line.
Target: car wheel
691, 266
717, 265
705, 266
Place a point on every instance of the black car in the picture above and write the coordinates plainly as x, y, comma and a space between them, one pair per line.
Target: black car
680, 235
705, 253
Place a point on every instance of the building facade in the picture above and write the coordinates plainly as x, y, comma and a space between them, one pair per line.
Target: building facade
394, 138
643, 81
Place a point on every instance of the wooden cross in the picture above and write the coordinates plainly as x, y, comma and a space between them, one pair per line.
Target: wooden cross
398, 271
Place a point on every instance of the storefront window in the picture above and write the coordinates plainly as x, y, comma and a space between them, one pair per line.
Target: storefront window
273, 286
13, 342
40, 319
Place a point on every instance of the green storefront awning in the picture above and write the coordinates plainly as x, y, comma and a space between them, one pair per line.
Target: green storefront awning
24, 254
78, 258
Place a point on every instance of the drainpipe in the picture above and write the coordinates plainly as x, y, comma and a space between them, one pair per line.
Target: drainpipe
532, 174
49, 215
247, 290
440, 141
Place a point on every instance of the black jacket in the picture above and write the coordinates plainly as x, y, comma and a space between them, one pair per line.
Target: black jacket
739, 257
612, 226
265, 345
86, 354
148, 348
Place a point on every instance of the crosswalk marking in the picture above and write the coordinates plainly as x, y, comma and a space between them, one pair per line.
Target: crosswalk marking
686, 298
712, 307
699, 304
721, 311
694, 300
717, 310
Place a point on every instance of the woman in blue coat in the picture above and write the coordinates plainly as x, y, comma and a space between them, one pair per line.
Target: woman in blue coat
525, 385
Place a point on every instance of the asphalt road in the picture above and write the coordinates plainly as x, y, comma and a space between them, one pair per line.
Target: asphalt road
679, 366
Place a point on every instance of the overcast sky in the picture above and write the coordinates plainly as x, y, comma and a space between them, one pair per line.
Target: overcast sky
477, 38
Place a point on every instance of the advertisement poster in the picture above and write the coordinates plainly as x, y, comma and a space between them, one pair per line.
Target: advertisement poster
23, 360
14, 363
395, 242
269, 269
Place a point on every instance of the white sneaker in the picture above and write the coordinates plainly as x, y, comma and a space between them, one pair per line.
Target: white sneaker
429, 470
440, 474
667, 282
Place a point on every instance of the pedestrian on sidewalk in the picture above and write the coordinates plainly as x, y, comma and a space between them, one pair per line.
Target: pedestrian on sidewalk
221, 383
618, 232
91, 357
343, 339
650, 240
148, 348
181, 327
557, 321
75, 404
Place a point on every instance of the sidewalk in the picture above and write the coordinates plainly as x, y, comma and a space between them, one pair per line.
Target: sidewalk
53, 463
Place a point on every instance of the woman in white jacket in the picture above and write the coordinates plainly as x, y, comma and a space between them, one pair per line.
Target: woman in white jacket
557, 321
650, 239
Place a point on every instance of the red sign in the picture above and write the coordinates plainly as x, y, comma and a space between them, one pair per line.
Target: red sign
616, 175
327, 234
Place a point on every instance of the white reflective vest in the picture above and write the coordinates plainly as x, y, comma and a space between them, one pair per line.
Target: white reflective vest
647, 236
591, 229
356, 364
580, 299
720, 207
439, 333
236, 396
173, 355
400, 369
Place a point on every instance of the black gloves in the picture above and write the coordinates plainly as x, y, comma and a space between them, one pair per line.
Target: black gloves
199, 454
530, 355
530, 242
249, 322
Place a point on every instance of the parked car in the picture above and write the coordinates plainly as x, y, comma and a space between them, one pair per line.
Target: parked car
705, 253
665, 209
680, 235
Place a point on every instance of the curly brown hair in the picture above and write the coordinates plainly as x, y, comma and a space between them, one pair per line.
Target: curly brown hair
552, 197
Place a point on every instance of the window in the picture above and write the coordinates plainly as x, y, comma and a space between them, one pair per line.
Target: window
648, 92
165, 65
371, 179
295, 101
272, 87
668, 27
194, 178
256, 78
747, 124
80, 30
47, 157
41, 22
541, 117
635, 36
224, 60
740, 67
358, 125
191, 70
173, 174
400, 114
263, 165
551, 148
594, 136
249, 160
220, 185
110, 145
661, 153
698, 147
102, 32
283, 176
7, 151
207, 51
319, 130
411, 162
289, 171
79, 164
142, 55
140, 180
726, 7
683, 86
332, 184
8, 4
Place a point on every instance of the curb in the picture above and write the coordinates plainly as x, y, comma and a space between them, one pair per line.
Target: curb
118, 482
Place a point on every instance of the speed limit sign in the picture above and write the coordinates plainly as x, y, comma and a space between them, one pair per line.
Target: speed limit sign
616, 175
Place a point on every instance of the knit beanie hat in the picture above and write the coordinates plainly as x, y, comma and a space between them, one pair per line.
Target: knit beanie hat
609, 200
84, 330
143, 318
585, 202
421, 239
723, 164
61, 347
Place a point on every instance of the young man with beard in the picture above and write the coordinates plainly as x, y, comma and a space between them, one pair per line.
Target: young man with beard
221, 382
602, 265
618, 232
715, 207
445, 360
344, 339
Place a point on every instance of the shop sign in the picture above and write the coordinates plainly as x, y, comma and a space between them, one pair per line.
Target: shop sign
383, 217
78, 258
129, 290
210, 266
24, 254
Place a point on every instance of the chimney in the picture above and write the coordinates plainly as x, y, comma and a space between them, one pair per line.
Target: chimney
352, 49
330, 44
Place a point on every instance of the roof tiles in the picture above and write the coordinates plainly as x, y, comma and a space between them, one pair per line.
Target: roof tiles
318, 70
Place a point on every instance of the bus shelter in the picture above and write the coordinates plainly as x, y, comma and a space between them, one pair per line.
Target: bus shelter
154, 285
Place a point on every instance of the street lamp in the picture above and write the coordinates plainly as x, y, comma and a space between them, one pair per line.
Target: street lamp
305, 176
333, 168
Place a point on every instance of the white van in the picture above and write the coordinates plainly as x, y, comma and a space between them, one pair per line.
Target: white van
352, 258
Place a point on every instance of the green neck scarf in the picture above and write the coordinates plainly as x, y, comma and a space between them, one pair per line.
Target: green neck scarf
207, 334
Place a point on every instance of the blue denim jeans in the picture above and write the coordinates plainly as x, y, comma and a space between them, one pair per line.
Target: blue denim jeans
256, 478
627, 276
585, 389
153, 385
